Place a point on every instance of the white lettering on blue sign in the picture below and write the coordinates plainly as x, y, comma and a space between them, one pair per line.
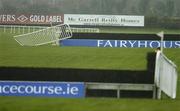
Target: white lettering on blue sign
60, 89
99, 43
137, 43
177, 43
132, 43
108, 44
119, 43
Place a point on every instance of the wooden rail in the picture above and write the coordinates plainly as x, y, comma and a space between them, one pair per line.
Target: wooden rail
122, 86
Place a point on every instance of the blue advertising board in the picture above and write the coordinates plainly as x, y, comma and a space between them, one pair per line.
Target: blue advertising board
48, 89
119, 43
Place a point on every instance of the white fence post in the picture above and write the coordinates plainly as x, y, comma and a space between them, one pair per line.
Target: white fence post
4, 28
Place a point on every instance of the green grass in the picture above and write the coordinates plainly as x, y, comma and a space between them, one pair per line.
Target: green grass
88, 104
69, 57
11, 54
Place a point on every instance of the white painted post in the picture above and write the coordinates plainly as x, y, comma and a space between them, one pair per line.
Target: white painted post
14, 29
154, 92
19, 29
158, 93
162, 39
29, 29
33, 28
4, 28
161, 35
11, 28
118, 93
23, 29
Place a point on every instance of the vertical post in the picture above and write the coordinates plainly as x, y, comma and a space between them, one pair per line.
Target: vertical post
118, 93
14, 29
23, 29
19, 29
51, 24
4, 28
159, 93
161, 35
85, 89
154, 92
29, 29
162, 39
33, 28
11, 29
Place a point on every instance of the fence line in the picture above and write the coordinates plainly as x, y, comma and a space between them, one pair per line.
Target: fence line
121, 86
22, 29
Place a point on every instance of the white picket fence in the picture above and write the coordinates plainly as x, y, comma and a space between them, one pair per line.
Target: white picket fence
22, 29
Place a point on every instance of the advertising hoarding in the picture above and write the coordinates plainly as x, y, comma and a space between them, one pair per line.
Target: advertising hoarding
40, 19
48, 89
104, 20
119, 43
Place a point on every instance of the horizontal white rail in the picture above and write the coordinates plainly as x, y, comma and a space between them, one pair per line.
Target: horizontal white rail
122, 86
21, 28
